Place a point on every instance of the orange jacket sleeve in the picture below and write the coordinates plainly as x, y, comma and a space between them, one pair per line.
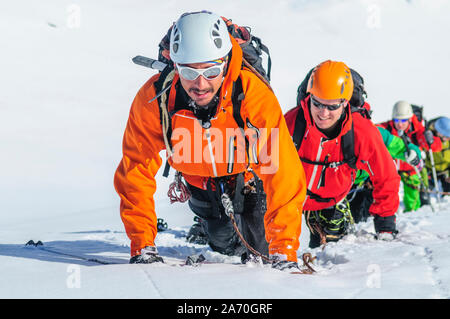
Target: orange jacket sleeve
280, 169
134, 179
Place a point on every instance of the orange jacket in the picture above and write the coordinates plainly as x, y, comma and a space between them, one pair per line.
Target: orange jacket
277, 162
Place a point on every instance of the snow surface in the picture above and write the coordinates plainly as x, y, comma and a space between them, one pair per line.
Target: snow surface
67, 82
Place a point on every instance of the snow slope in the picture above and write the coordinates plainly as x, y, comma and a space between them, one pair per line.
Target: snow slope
67, 82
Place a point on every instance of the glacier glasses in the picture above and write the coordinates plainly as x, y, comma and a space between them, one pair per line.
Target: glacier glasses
192, 74
330, 107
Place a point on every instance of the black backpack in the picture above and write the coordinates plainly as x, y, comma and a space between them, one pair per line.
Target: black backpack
418, 112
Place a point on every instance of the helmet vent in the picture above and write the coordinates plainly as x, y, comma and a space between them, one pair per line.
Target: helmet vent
176, 39
216, 34
218, 42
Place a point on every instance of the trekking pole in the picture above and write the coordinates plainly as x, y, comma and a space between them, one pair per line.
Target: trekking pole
439, 192
406, 142
433, 168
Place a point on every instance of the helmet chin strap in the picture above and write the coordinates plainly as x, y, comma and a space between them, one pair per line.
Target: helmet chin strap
204, 113
196, 107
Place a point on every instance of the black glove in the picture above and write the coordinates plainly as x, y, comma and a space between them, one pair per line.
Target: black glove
284, 265
429, 137
148, 255
385, 225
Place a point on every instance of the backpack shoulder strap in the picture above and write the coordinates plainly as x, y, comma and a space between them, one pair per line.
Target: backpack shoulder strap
348, 148
299, 128
237, 96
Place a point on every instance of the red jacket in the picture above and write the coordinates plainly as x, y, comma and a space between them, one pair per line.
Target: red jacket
415, 132
334, 183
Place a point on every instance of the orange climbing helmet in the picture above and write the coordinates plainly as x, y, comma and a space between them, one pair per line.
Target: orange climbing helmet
331, 80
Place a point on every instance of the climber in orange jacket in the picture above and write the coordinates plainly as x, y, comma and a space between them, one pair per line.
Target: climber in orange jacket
200, 122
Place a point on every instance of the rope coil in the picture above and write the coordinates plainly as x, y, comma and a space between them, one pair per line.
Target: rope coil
165, 122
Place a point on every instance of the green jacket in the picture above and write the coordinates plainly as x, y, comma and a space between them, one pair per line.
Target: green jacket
396, 147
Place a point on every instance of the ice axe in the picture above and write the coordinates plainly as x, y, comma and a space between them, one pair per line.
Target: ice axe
149, 63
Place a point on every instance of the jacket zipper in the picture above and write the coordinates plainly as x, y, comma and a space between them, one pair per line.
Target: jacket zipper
213, 162
230, 155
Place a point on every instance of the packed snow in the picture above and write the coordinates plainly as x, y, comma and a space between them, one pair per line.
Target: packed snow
67, 82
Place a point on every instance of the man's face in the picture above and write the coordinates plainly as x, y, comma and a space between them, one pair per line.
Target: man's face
323, 117
201, 90
401, 125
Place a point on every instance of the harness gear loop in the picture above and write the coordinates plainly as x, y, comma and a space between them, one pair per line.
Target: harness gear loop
178, 191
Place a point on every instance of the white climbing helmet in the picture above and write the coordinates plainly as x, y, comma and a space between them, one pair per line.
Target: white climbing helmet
402, 110
199, 37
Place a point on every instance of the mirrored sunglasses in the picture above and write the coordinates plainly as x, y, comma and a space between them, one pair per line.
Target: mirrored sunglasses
401, 120
191, 74
330, 107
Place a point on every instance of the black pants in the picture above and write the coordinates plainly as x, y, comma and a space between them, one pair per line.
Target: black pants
360, 204
219, 229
